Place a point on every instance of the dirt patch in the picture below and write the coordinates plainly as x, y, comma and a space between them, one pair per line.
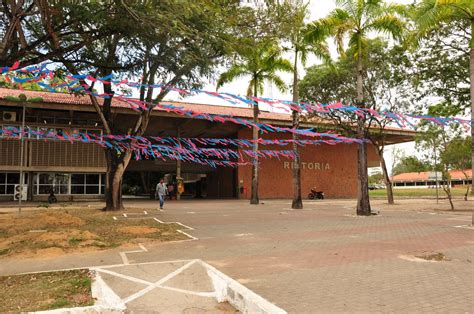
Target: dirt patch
439, 257
45, 291
138, 230
52, 232
50, 252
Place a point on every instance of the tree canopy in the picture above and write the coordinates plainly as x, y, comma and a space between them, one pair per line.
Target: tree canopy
410, 164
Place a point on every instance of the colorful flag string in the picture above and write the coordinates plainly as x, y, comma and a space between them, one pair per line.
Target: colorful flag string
73, 82
175, 148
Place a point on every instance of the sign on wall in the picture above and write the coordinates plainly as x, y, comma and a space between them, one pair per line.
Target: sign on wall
307, 165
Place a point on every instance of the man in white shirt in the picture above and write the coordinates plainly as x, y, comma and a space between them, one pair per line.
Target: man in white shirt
161, 191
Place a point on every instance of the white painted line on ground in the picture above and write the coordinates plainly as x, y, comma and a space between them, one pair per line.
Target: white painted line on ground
124, 258
64, 269
144, 263
142, 247
188, 235
187, 227
201, 294
175, 273
415, 259
243, 234
192, 238
123, 276
158, 283
465, 227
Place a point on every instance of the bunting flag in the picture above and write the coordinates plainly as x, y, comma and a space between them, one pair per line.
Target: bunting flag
175, 148
40, 74
14, 132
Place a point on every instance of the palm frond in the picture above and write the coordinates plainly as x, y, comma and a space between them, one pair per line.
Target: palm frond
321, 51
277, 81
278, 64
388, 24
235, 71
429, 14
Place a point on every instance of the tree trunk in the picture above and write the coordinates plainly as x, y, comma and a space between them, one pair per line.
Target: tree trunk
254, 197
386, 177
467, 192
363, 202
471, 77
116, 166
447, 190
297, 202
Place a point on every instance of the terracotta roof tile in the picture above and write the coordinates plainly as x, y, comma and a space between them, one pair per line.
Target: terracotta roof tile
423, 176
64, 98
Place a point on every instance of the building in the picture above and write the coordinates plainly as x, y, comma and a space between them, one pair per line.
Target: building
77, 170
427, 179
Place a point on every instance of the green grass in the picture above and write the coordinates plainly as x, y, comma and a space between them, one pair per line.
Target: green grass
422, 192
45, 291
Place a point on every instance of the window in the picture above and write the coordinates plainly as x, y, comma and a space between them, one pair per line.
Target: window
102, 186
86, 183
68, 183
8, 180
44, 182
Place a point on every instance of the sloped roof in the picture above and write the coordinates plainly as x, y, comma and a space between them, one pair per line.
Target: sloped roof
84, 100
65, 98
424, 176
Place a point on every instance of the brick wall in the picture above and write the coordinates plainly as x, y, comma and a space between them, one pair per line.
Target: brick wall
330, 168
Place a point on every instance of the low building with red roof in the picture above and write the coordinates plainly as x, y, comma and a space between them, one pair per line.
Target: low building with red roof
77, 170
428, 178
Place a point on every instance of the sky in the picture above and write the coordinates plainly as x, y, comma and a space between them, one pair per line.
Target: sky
318, 9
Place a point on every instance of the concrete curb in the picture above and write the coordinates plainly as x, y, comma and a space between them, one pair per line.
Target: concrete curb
106, 301
226, 289
239, 296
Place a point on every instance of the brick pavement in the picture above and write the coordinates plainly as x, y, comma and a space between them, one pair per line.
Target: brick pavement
320, 259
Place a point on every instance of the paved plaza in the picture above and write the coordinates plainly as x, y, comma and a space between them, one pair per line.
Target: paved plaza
317, 260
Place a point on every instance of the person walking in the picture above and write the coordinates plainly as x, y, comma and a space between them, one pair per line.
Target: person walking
161, 191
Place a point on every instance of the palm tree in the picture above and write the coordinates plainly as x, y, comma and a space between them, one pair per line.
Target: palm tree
260, 63
431, 14
301, 47
355, 19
